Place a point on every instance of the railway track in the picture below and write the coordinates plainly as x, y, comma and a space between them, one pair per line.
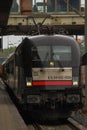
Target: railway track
70, 124
76, 124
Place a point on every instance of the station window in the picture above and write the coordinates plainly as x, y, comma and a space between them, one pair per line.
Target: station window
39, 6
58, 5
82, 5
49, 6
74, 4
61, 6
15, 6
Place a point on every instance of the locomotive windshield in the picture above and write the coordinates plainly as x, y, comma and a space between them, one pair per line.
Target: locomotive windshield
51, 53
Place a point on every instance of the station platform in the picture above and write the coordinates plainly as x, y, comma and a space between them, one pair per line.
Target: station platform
10, 119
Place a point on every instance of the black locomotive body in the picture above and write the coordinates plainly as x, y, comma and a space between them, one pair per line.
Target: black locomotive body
44, 73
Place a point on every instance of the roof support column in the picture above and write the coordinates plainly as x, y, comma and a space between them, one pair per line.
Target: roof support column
86, 47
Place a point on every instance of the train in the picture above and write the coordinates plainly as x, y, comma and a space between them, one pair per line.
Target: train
44, 74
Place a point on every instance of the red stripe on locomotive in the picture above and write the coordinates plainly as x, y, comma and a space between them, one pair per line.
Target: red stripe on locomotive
42, 83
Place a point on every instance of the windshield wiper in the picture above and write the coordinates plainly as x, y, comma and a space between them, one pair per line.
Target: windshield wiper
59, 62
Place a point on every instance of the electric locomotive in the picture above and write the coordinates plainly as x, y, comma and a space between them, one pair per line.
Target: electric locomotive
44, 74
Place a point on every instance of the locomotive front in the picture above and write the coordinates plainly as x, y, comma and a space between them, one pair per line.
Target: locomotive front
55, 73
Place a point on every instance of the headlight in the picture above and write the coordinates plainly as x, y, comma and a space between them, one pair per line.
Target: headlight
28, 81
51, 63
75, 81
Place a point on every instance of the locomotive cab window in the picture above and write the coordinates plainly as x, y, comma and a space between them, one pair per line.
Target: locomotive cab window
41, 53
62, 53
46, 54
